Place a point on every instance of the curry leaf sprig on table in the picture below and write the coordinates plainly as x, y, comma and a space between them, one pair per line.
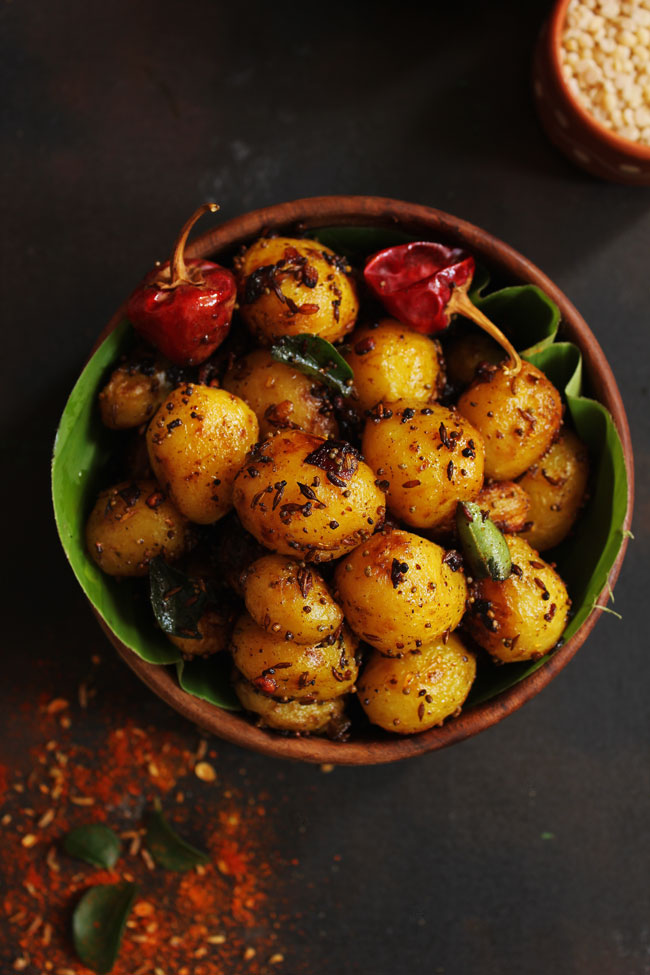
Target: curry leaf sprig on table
100, 917
83, 450
318, 358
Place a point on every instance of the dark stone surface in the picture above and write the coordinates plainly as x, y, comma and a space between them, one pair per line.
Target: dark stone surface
120, 119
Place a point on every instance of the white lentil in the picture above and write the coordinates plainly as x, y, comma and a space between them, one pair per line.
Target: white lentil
606, 63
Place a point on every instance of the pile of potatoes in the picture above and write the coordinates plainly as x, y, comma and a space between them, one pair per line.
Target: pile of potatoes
330, 545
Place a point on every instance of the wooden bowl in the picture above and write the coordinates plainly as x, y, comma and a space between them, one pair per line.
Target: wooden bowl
568, 124
425, 223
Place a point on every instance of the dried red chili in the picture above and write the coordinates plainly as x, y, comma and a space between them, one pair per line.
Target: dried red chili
184, 307
423, 284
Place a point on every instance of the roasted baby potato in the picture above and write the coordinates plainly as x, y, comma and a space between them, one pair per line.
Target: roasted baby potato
506, 503
197, 442
556, 486
392, 362
523, 617
310, 498
518, 417
290, 599
297, 717
214, 627
131, 524
132, 394
466, 352
426, 459
400, 592
284, 669
281, 396
290, 286
419, 690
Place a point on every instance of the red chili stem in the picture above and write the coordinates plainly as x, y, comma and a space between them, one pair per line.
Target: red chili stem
179, 272
461, 304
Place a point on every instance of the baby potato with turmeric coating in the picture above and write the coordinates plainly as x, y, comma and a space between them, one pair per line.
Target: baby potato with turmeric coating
517, 416
133, 522
556, 486
280, 395
400, 592
197, 442
310, 498
291, 599
293, 286
283, 669
414, 692
427, 459
297, 717
523, 617
391, 362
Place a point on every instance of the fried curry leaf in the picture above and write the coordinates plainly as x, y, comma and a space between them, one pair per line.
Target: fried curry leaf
168, 849
178, 601
484, 547
315, 357
94, 843
98, 924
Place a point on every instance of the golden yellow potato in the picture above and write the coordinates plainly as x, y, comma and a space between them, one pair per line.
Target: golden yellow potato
197, 442
426, 459
419, 690
506, 503
290, 599
466, 352
289, 286
399, 592
134, 391
131, 524
281, 396
556, 486
214, 627
297, 717
391, 362
523, 617
284, 669
518, 416
310, 498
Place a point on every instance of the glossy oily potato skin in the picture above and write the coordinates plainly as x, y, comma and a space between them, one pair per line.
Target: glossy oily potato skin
310, 498
398, 593
197, 442
466, 352
392, 362
293, 286
415, 692
290, 599
556, 486
518, 417
506, 503
130, 524
427, 459
312, 718
284, 669
133, 393
281, 396
214, 626
523, 617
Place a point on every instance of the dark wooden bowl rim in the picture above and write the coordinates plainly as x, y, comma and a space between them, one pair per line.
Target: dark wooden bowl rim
428, 223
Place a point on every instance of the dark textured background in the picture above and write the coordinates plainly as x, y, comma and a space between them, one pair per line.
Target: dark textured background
121, 118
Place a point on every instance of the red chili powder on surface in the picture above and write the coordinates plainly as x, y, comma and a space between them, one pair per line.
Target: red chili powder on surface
217, 919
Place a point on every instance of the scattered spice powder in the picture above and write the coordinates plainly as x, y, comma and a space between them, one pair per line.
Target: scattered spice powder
199, 923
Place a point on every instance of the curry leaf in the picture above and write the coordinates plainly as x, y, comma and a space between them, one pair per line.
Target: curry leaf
98, 924
167, 848
178, 601
94, 843
315, 357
